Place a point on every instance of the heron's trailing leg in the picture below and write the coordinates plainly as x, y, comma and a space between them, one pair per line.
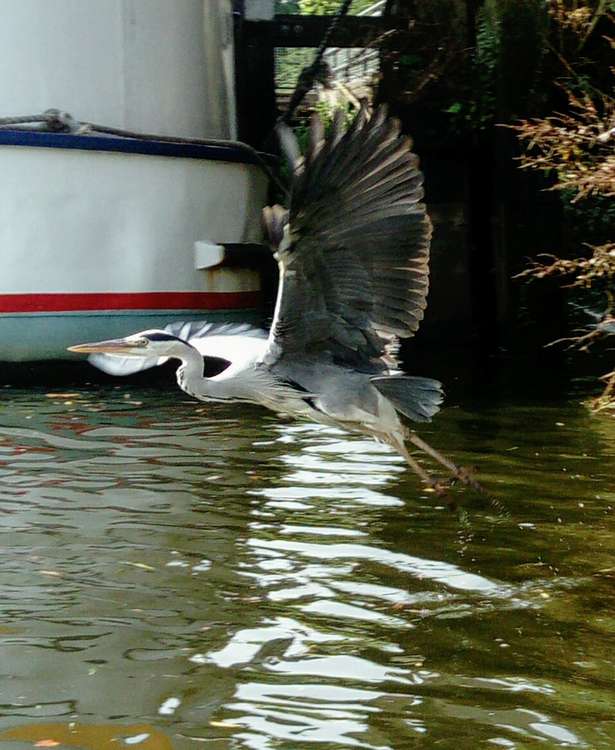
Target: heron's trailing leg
459, 472
420, 471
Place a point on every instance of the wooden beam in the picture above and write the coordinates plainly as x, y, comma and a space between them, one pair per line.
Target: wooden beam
254, 81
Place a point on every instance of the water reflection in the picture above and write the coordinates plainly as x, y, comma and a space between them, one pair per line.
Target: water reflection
88, 737
207, 575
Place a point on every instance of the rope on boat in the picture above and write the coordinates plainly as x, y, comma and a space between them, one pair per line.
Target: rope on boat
57, 121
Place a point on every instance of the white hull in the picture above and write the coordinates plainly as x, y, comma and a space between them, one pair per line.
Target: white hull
156, 66
95, 243
97, 234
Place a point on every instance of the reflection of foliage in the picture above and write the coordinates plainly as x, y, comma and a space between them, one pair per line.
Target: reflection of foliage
576, 149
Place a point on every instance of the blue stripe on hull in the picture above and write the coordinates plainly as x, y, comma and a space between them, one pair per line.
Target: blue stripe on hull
211, 151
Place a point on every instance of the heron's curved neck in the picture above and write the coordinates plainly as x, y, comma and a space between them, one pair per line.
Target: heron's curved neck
190, 376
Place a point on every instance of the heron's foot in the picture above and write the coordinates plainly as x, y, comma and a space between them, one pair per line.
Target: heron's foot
465, 476
431, 485
459, 473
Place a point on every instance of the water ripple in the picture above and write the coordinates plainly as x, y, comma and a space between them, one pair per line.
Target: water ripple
174, 575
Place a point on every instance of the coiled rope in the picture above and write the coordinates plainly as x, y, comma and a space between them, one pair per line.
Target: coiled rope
57, 121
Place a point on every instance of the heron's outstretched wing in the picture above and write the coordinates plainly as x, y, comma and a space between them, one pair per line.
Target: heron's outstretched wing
195, 330
210, 339
353, 249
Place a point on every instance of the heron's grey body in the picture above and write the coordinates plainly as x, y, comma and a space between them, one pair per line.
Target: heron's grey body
305, 387
353, 252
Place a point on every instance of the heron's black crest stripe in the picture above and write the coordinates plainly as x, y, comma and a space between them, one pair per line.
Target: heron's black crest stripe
161, 336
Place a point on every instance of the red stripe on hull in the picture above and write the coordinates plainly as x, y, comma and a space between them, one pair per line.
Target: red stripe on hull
114, 301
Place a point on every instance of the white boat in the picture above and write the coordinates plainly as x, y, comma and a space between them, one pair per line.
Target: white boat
100, 235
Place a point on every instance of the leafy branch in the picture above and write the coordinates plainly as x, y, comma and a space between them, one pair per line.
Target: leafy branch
576, 150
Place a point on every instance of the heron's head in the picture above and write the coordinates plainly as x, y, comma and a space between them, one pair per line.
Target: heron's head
146, 344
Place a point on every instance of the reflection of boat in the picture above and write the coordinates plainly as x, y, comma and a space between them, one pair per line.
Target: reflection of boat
101, 235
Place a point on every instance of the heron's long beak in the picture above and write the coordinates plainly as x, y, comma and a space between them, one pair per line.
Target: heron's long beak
112, 346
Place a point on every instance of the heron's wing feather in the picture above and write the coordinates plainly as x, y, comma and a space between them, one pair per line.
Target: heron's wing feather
232, 342
124, 365
195, 330
354, 256
233, 349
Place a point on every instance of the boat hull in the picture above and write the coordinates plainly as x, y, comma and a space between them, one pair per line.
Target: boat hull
28, 338
98, 238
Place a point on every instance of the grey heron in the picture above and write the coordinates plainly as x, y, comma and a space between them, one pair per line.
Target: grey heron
353, 257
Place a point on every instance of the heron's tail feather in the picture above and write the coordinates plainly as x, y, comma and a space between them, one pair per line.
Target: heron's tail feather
417, 398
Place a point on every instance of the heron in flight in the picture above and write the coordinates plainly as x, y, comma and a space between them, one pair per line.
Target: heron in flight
353, 253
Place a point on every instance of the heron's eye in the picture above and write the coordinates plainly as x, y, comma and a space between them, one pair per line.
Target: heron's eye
142, 341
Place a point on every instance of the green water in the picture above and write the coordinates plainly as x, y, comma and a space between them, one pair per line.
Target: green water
176, 575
